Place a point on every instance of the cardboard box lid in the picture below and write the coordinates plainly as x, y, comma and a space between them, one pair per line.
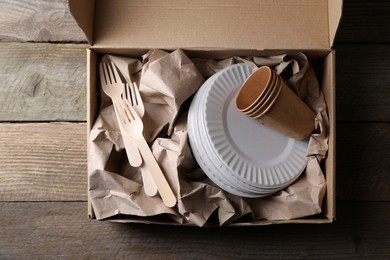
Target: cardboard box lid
230, 24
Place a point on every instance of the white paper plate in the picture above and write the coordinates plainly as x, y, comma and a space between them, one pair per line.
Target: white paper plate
236, 152
202, 155
205, 156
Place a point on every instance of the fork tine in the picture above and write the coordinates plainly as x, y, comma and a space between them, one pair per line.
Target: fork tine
136, 94
109, 72
102, 73
129, 112
132, 94
117, 77
126, 106
114, 75
127, 93
106, 73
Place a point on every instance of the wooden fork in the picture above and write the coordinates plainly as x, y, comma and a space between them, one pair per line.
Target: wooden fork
112, 86
133, 124
132, 97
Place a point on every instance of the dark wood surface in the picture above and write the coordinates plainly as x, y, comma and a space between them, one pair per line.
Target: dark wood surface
43, 195
60, 230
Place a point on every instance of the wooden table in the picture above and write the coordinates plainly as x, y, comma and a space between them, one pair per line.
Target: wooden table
43, 185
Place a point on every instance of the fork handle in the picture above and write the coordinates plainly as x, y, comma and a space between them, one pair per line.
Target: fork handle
132, 152
161, 182
149, 185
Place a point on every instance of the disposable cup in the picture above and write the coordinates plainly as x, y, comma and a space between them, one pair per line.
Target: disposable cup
289, 115
254, 89
263, 106
267, 93
266, 97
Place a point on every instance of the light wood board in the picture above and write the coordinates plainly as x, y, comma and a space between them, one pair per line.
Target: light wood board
38, 21
42, 82
43, 162
48, 161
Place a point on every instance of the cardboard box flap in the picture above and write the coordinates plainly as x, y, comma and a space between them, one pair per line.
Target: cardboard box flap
231, 24
335, 8
84, 14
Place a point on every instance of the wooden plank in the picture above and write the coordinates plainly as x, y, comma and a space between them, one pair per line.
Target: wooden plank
39, 20
51, 163
62, 230
363, 76
42, 82
363, 167
43, 161
38, 73
45, 82
364, 21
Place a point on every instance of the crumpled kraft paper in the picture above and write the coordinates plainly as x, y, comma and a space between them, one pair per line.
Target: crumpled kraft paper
167, 81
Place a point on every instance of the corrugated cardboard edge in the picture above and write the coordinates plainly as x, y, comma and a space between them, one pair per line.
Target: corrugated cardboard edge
246, 224
333, 141
330, 164
335, 8
91, 109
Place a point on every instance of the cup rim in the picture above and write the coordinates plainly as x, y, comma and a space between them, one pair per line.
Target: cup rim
259, 97
263, 104
272, 102
269, 91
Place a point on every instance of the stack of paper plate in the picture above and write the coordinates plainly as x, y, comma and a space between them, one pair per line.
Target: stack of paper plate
237, 153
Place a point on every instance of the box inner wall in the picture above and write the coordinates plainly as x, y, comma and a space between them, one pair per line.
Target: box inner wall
322, 61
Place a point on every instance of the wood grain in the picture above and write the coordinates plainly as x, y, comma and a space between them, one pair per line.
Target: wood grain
38, 21
51, 163
362, 87
364, 21
363, 166
46, 82
42, 82
43, 162
61, 230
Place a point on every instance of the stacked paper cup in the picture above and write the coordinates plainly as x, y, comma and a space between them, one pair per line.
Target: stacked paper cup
265, 96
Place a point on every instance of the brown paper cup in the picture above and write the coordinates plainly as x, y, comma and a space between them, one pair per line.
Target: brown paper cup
268, 92
288, 114
254, 89
264, 96
264, 106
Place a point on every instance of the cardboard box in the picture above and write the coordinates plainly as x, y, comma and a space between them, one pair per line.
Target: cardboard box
217, 29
